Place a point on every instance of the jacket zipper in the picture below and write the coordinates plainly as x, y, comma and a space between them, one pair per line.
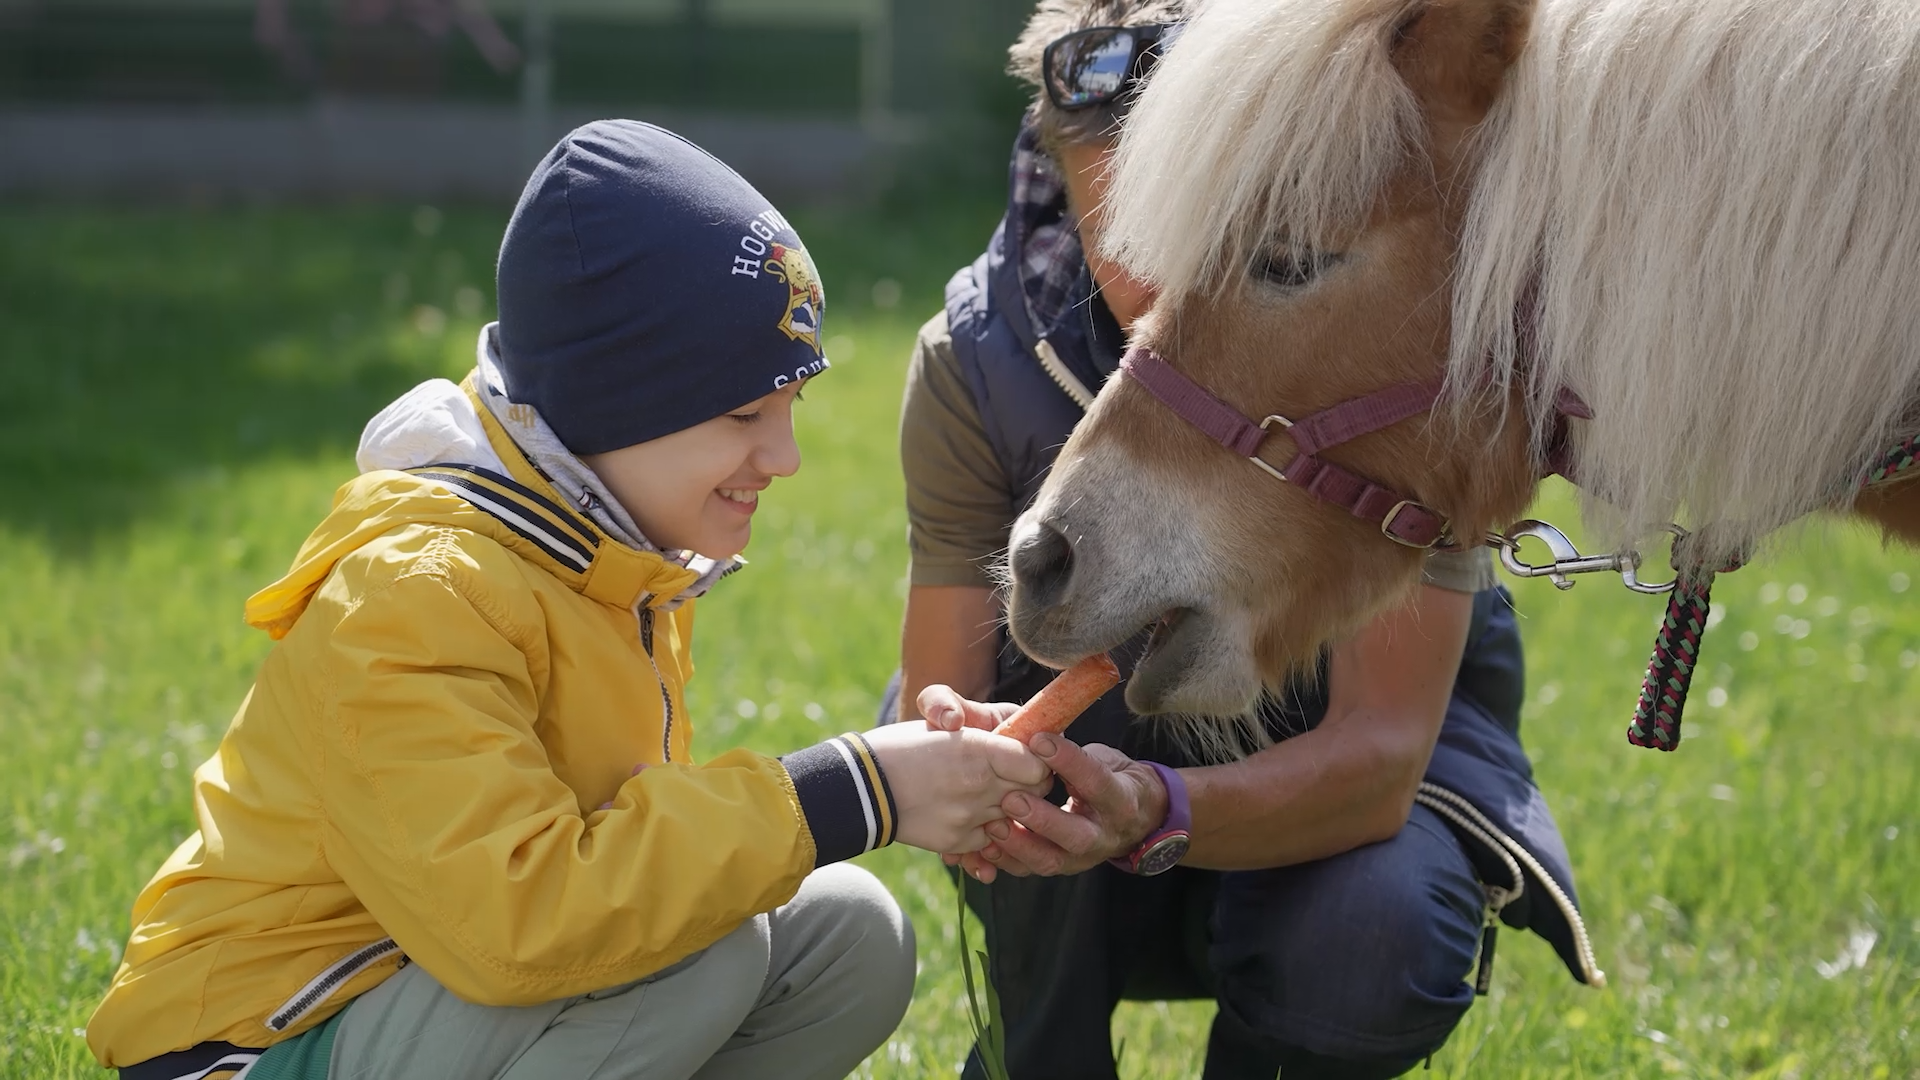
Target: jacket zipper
666, 697
1464, 814
1062, 376
328, 982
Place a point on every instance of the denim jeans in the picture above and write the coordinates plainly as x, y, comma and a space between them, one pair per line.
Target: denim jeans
1354, 966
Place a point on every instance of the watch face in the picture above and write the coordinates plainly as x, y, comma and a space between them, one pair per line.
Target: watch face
1163, 856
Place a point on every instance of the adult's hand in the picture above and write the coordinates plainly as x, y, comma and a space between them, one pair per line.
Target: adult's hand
1114, 803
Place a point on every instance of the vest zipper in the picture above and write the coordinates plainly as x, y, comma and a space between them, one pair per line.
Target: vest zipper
1062, 376
666, 696
1465, 815
328, 982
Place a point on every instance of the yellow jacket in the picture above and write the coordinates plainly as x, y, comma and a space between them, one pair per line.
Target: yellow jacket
465, 672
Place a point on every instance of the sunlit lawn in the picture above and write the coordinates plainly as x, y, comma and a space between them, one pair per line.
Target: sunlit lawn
181, 394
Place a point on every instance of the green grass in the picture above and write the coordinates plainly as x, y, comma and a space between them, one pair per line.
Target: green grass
182, 391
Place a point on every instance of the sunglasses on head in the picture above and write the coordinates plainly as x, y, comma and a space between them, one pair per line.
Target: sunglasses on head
1102, 64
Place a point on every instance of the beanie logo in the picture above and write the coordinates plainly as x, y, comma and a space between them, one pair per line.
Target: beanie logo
789, 265
806, 301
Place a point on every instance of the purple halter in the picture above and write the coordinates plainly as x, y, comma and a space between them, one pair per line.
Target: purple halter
1400, 519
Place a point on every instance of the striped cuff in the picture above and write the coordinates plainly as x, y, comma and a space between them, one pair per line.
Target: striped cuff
845, 797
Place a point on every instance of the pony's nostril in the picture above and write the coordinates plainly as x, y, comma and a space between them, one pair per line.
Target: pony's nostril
1042, 563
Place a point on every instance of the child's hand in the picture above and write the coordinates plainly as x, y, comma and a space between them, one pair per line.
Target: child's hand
948, 784
1116, 802
946, 710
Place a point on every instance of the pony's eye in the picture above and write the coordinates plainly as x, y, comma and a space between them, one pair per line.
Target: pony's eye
1292, 269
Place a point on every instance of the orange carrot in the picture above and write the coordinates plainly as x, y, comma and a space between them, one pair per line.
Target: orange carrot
1063, 699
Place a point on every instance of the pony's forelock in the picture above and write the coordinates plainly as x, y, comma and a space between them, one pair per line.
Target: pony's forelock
1712, 208
1271, 121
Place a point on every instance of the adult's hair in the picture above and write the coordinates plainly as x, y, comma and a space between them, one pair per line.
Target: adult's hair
1055, 19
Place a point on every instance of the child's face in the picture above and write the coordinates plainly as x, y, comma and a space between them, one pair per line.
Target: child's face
697, 488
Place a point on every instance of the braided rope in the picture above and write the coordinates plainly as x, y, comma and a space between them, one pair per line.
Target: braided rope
1894, 463
1676, 649
1676, 653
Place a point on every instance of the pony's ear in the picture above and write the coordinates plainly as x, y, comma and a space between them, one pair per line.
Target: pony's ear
1454, 54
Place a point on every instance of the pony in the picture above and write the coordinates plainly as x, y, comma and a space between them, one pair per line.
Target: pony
1697, 220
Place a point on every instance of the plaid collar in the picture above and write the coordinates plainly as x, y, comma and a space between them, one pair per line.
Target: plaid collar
1042, 235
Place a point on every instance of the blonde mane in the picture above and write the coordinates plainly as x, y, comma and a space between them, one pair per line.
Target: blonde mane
1255, 91
1717, 200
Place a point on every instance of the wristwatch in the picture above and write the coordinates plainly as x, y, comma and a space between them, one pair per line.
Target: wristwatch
1164, 847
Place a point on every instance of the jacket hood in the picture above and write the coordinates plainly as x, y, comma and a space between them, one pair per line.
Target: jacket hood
363, 510
377, 503
434, 457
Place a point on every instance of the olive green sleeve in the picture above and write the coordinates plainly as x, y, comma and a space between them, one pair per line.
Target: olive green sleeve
1468, 571
959, 500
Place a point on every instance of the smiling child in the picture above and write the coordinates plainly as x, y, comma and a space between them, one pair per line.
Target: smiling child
455, 829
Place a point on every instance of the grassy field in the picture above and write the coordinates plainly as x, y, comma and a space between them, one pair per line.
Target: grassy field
182, 391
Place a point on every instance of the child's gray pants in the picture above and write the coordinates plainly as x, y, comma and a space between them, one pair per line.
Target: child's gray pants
808, 990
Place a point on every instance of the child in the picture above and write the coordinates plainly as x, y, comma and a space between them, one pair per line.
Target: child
454, 830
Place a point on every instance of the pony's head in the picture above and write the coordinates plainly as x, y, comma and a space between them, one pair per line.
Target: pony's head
1327, 186
1700, 216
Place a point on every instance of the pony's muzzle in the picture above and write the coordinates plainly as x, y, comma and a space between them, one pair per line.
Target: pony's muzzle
1042, 565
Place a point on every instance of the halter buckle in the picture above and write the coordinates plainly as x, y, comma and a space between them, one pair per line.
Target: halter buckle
1386, 525
1267, 427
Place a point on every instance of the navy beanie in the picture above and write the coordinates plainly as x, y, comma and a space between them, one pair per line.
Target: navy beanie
645, 287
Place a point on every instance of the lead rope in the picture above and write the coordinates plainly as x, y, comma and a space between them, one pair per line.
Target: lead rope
1894, 463
1676, 653
1676, 648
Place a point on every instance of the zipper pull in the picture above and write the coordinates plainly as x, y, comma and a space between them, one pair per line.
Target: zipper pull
1484, 978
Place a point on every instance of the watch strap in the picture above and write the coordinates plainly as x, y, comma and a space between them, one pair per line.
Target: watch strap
1177, 823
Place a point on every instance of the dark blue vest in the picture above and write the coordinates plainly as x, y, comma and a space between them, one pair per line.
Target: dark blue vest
1028, 417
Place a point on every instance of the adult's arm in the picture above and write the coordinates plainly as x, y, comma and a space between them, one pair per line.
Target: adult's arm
951, 636
1351, 780
959, 508
1348, 782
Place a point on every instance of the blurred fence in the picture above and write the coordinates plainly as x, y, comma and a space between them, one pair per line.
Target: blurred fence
161, 98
